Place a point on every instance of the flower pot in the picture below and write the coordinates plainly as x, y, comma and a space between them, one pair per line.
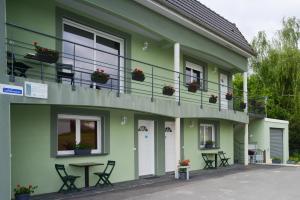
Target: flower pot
138, 76
22, 197
182, 175
47, 56
212, 100
82, 152
209, 146
192, 89
168, 91
242, 105
228, 97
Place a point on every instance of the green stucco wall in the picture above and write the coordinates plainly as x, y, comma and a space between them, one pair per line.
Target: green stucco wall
31, 161
191, 150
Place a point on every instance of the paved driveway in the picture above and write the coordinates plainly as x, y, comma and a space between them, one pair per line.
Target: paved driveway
274, 183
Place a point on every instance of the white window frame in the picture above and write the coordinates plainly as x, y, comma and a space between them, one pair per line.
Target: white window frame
213, 134
77, 119
104, 35
196, 67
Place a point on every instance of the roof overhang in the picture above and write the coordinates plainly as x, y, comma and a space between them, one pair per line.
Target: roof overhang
192, 25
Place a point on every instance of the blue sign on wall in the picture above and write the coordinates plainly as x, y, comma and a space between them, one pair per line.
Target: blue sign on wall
11, 89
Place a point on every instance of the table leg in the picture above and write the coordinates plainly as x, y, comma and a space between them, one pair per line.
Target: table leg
86, 176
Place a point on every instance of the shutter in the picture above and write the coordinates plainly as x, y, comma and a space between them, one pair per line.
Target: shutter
276, 143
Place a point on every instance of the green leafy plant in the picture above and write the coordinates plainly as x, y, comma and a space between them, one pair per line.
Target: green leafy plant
24, 189
99, 76
168, 90
209, 142
82, 146
45, 54
213, 99
138, 75
193, 86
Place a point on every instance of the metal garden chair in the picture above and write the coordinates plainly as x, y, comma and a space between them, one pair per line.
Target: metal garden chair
224, 159
208, 162
68, 180
104, 176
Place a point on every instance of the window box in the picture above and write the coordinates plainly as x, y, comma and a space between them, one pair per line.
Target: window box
242, 105
168, 90
228, 96
193, 86
99, 76
82, 152
213, 99
138, 75
46, 55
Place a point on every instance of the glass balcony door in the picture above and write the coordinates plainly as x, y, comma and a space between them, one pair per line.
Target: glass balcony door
97, 50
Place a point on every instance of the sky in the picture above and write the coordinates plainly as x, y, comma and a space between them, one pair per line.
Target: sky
251, 16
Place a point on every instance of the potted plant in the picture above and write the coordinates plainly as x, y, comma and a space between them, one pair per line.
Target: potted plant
168, 90
242, 105
209, 144
193, 86
46, 55
82, 149
182, 171
99, 76
213, 99
23, 192
276, 160
228, 96
138, 75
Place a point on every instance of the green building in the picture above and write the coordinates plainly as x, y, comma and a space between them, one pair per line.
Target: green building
70, 72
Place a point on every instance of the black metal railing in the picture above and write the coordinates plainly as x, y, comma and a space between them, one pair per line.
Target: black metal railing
75, 68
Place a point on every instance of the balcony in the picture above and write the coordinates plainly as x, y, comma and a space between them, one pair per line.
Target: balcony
71, 68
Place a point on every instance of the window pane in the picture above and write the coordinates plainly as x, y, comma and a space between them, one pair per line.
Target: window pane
108, 62
196, 76
187, 75
201, 135
208, 135
88, 130
84, 57
66, 134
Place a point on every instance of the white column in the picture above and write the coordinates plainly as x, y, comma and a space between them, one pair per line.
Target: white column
245, 88
176, 69
246, 145
177, 144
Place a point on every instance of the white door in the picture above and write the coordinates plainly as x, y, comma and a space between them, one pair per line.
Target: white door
146, 147
223, 90
170, 158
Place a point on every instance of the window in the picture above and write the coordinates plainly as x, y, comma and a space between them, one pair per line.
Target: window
73, 129
88, 59
207, 133
194, 72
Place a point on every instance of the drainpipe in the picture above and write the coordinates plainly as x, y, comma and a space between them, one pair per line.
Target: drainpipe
245, 87
177, 144
177, 69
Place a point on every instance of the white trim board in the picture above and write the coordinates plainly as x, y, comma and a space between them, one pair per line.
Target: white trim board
191, 25
276, 121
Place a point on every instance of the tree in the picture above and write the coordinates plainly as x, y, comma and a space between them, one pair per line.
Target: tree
276, 74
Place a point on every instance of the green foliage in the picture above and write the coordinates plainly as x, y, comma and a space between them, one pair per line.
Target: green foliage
276, 75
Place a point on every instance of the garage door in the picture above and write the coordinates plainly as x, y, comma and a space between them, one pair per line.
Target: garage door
276, 143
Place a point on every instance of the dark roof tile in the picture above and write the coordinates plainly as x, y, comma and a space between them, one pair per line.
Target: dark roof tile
207, 18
